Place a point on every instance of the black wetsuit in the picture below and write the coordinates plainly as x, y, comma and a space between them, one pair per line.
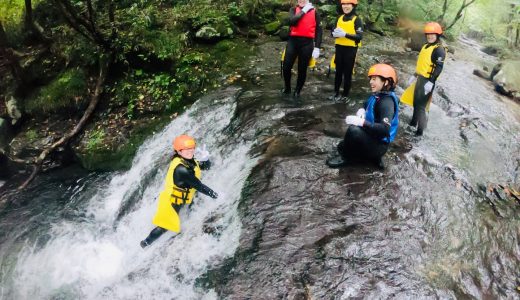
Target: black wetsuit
184, 178
420, 100
299, 47
366, 142
346, 57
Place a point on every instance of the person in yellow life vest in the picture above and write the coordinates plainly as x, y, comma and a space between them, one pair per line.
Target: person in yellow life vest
182, 180
429, 66
348, 33
304, 42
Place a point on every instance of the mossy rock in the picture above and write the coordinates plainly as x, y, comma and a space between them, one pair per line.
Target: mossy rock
329, 10
284, 33
508, 77
106, 160
253, 34
108, 149
225, 30
282, 17
224, 46
272, 27
66, 93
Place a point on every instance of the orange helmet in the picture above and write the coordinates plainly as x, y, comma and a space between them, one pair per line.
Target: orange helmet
349, 2
383, 70
183, 142
433, 27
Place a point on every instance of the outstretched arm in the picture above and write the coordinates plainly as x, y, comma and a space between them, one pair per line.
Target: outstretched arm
184, 178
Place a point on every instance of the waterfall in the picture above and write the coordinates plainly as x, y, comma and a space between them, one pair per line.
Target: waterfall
96, 254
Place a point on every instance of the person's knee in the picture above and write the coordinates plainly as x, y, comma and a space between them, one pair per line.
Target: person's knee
354, 133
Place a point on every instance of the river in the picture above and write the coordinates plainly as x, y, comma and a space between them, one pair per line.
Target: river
285, 225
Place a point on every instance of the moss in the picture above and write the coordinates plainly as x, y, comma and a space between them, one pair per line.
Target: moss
101, 153
65, 93
231, 54
31, 134
272, 27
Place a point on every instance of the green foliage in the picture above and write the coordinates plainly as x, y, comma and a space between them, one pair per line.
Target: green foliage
11, 15
65, 92
142, 93
31, 134
196, 14
95, 139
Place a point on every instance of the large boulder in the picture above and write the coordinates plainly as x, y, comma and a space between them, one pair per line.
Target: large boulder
507, 80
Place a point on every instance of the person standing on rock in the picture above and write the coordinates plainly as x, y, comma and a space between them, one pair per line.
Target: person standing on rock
182, 180
375, 125
348, 34
429, 66
304, 42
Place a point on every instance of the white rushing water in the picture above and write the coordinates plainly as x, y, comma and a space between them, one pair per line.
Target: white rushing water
98, 256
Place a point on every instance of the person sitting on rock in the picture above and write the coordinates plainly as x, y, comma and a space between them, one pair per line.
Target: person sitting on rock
375, 125
182, 180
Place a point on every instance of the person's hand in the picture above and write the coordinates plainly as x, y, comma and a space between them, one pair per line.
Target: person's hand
338, 32
354, 120
411, 79
213, 194
307, 7
316, 53
202, 154
428, 86
361, 113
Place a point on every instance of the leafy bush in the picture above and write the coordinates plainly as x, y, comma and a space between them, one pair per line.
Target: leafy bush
95, 139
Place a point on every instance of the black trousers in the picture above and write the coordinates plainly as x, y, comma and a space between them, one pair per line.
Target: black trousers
420, 101
344, 60
359, 145
158, 231
301, 48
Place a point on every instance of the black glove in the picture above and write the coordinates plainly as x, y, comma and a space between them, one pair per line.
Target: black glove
212, 194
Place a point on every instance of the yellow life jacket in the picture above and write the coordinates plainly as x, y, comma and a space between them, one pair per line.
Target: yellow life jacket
348, 27
424, 61
179, 195
166, 217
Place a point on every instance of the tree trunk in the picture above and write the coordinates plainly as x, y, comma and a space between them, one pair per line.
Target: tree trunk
85, 26
3, 37
28, 14
459, 13
8, 58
